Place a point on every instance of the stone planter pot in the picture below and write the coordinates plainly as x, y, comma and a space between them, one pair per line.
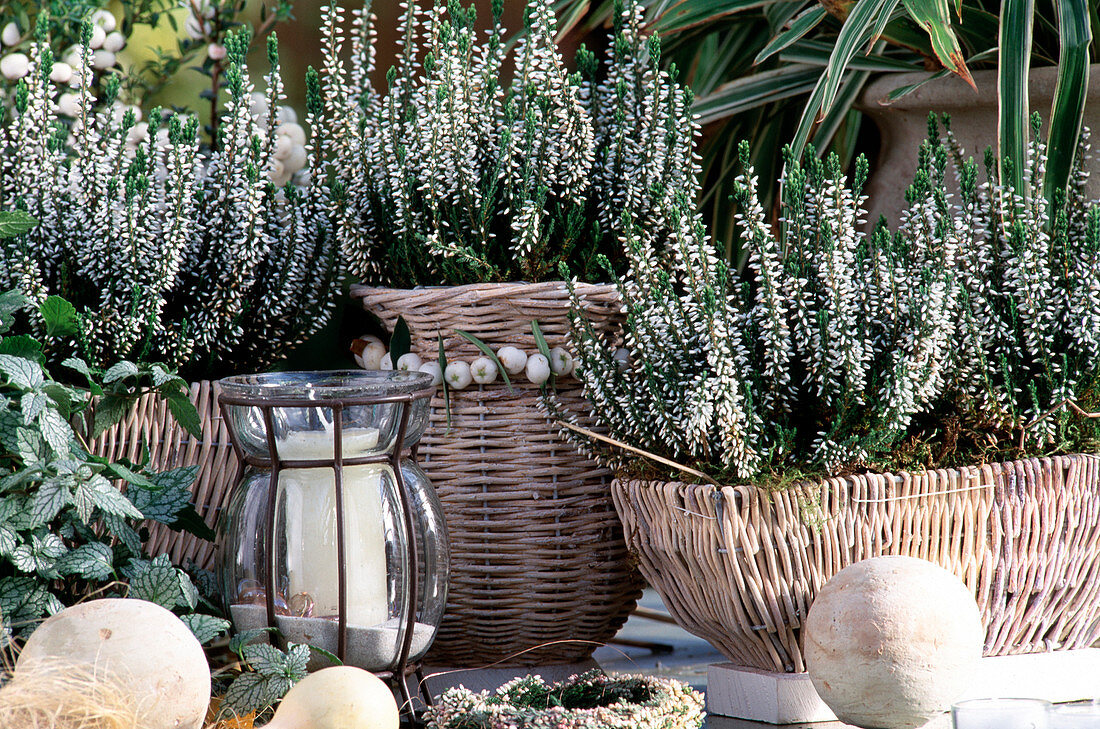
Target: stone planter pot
540, 573
740, 567
904, 125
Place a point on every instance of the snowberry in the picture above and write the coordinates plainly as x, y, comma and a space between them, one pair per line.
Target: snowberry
483, 370
197, 29
98, 37
458, 375
284, 145
538, 369
287, 115
372, 355
69, 104
386, 363
61, 73
622, 358
102, 60
114, 42
294, 131
409, 362
297, 159
216, 51
561, 362
514, 360
104, 19
14, 66
10, 35
137, 134
432, 368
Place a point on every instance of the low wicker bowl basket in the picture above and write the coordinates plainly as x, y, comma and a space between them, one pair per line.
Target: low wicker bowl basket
149, 424
537, 551
740, 567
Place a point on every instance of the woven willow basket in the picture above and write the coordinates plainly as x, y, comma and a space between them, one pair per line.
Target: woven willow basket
150, 424
537, 551
740, 567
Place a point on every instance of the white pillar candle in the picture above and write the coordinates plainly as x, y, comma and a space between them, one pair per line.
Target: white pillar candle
310, 493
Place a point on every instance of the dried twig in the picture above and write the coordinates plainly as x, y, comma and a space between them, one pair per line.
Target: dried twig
1067, 403
652, 456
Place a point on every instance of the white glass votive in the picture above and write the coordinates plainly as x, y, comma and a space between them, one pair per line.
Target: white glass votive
1001, 714
1075, 716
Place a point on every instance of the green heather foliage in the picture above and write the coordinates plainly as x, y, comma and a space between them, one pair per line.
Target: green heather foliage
948, 339
170, 252
66, 530
451, 176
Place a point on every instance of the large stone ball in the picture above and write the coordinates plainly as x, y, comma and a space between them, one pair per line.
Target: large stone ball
142, 646
891, 642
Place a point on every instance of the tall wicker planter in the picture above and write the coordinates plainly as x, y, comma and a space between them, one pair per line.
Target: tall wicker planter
537, 551
740, 567
150, 424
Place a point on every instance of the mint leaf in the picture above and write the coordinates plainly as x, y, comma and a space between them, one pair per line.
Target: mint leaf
21, 372
205, 627
60, 317
185, 413
155, 581
15, 222
92, 561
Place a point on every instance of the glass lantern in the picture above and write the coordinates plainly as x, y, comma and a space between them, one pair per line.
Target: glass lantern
333, 534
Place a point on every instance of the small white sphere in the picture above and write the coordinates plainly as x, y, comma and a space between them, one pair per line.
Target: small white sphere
72, 56
15, 66
538, 369
216, 51
372, 355
153, 654
257, 102
386, 363
458, 375
137, 134
409, 362
114, 42
61, 73
98, 37
287, 115
68, 104
278, 171
891, 642
103, 60
163, 141
432, 368
483, 370
561, 362
206, 8
297, 159
294, 131
104, 19
513, 359
369, 338
10, 35
196, 29
284, 145
622, 358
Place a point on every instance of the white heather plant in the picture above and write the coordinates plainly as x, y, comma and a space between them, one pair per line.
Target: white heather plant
945, 341
170, 252
451, 177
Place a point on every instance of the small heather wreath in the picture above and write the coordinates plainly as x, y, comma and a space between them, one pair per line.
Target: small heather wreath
592, 700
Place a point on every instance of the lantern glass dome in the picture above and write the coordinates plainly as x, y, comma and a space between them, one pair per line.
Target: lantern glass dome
334, 535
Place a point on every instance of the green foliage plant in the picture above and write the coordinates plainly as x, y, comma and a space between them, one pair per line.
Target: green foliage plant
168, 251
453, 176
67, 532
963, 335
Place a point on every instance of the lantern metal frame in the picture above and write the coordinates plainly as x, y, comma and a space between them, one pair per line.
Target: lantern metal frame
400, 670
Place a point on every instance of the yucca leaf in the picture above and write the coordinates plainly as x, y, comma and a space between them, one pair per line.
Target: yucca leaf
1013, 62
817, 53
1068, 108
857, 29
849, 92
755, 90
799, 27
687, 14
901, 91
935, 17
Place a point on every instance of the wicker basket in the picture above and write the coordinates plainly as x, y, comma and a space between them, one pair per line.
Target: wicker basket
537, 552
739, 566
170, 446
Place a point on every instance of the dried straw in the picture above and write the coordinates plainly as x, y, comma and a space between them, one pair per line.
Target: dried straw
66, 696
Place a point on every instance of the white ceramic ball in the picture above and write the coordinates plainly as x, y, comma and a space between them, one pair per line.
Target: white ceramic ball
340, 697
432, 368
891, 642
144, 646
483, 370
537, 369
458, 375
513, 359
